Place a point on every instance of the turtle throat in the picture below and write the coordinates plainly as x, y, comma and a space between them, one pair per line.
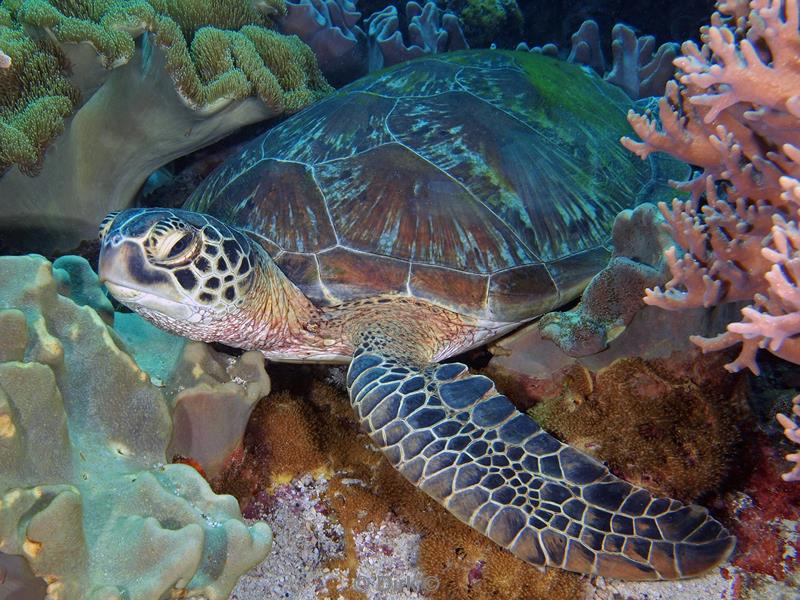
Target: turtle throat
277, 314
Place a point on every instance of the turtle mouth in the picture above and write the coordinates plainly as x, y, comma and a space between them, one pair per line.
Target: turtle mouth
140, 300
132, 295
123, 293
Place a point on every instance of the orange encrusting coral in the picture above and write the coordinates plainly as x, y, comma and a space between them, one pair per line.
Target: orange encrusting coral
733, 111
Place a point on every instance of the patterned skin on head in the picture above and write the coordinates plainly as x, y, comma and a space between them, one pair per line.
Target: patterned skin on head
209, 264
195, 276
188, 273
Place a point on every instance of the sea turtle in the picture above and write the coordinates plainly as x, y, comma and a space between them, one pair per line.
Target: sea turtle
415, 214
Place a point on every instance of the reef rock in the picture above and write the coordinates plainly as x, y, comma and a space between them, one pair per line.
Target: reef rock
85, 494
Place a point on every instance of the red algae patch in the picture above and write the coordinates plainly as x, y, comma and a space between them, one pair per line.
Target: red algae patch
765, 516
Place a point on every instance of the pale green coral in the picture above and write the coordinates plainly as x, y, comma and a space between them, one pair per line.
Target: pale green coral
35, 96
215, 51
85, 495
151, 81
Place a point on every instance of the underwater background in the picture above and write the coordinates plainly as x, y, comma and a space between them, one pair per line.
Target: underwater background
600, 198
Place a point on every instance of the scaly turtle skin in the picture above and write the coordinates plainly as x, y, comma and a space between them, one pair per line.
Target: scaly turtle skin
418, 213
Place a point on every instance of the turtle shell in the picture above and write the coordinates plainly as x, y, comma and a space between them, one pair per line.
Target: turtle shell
485, 181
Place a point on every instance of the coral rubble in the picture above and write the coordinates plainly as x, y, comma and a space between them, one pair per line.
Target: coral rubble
87, 498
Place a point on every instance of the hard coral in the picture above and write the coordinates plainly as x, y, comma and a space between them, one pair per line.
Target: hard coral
156, 80
733, 110
86, 496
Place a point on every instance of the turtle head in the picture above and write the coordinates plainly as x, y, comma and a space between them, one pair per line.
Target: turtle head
187, 272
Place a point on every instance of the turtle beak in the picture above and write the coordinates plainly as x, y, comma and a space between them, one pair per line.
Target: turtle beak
114, 258
122, 263
133, 282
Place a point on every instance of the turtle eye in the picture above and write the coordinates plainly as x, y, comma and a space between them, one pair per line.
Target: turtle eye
177, 247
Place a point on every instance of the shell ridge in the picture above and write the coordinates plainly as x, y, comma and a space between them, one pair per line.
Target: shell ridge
464, 187
327, 208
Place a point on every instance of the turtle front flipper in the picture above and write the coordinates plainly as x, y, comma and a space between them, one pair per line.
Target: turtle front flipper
453, 435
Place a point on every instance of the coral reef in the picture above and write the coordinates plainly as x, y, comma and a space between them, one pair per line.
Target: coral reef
614, 295
733, 111
348, 46
346, 513
35, 96
556, 20
621, 380
668, 424
17, 582
306, 541
211, 396
488, 22
330, 28
430, 31
764, 513
638, 67
792, 432
94, 510
311, 430
148, 81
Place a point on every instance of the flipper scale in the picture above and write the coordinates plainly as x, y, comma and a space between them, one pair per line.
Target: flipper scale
456, 437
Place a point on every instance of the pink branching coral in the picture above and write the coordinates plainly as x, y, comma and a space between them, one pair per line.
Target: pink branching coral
733, 110
792, 432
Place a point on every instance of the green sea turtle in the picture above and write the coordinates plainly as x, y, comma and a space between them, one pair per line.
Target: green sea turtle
415, 214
